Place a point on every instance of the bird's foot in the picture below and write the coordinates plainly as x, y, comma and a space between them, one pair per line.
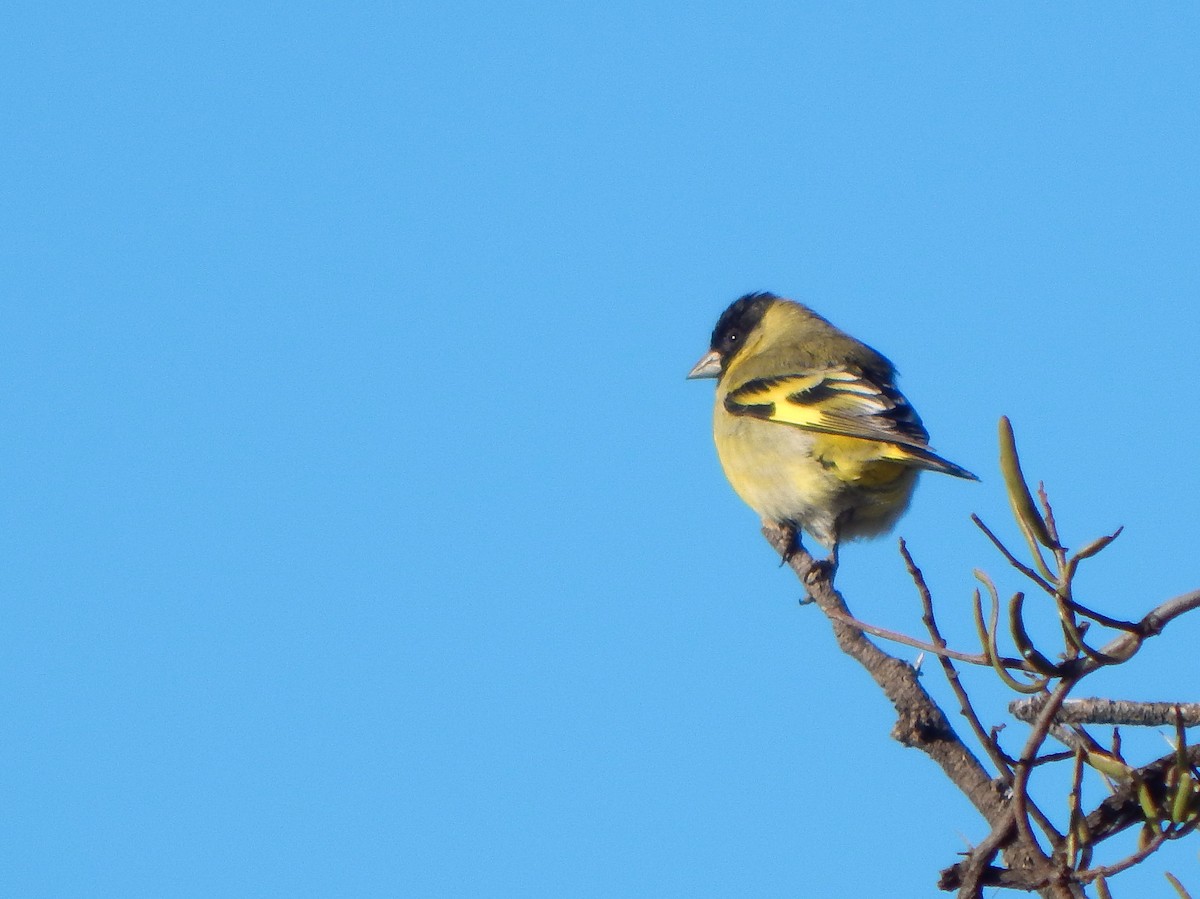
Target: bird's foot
819, 571
793, 544
823, 569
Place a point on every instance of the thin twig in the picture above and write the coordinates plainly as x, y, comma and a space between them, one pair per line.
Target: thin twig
942, 651
991, 746
1024, 767
1051, 757
1152, 845
1013, 560
1048, 514
1151, 625
1116, 624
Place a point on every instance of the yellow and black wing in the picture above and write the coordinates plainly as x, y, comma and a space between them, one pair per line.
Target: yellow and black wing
847, 402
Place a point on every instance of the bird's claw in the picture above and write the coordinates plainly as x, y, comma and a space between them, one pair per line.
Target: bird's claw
793, 544
821, 569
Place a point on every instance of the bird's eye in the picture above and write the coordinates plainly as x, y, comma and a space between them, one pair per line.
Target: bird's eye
732, 338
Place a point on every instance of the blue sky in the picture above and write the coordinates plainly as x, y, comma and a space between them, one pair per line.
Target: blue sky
362, 535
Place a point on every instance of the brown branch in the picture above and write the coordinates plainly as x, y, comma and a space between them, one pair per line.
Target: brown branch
1025, 764
1116, 624
933, 649
1152, 846
1122, 810
1002, 762
977, 871
1124, 713
921, 723
1013, 560
1124, 646
989, 742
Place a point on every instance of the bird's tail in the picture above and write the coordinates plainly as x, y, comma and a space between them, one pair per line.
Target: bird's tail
931, 461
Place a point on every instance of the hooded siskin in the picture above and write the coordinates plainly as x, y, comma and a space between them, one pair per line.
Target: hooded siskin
809, 426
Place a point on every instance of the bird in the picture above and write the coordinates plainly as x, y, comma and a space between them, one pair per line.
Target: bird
809, 426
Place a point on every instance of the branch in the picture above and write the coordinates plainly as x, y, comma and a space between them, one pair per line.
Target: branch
1013, 560
921, 722
1115, 814
933, 649
990, 745
1124, 646
1121, 712
1122, 810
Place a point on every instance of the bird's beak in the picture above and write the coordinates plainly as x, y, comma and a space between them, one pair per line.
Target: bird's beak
709, 366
